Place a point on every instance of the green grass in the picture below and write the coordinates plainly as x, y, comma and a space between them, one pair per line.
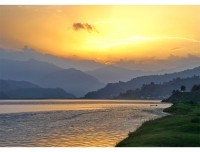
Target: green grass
180, 129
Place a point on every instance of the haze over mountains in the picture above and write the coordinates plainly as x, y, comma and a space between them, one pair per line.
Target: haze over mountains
72, 80
104, 73
31, 70
27, 53
48, 75
83, 78
107, 73
112, 73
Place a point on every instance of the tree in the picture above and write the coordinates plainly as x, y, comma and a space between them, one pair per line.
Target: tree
152, 83
196, 88
174, 91
183, 88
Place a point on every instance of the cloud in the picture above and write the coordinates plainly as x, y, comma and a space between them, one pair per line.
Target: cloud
176, 48
84, 26
173, 63
180, 38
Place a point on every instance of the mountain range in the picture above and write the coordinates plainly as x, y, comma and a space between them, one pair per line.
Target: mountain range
11, 89
105, 73
112, 90
48, 75
71, 80
48, 71
27, 53
160, 91
111, 74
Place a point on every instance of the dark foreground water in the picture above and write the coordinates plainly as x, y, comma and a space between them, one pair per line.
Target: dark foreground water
73, 123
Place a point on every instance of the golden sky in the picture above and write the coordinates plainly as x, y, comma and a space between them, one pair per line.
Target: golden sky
103, 33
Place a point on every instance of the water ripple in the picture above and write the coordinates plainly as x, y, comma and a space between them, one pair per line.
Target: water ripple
75, 128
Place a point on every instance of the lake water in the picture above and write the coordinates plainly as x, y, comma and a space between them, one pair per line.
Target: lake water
73, 123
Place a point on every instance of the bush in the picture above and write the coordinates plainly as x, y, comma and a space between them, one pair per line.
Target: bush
195, 120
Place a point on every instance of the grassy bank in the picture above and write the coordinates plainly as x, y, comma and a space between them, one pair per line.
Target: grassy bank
180, 129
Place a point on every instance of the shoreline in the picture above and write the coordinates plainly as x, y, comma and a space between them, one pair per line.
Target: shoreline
180, 128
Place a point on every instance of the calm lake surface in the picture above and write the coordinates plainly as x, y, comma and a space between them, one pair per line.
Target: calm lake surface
73, 123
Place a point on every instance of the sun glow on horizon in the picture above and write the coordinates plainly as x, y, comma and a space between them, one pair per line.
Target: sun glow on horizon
103, 33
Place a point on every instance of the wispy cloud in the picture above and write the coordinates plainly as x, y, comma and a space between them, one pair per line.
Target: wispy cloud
176, 48
179, 38
144, 38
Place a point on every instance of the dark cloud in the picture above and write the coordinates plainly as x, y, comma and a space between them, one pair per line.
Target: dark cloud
78, 26
84, 26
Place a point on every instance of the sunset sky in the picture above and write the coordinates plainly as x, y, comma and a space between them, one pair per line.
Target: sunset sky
105, 34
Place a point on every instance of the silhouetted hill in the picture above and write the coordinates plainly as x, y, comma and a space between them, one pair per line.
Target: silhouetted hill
160, 91
39, 93
49, 75
10, 89
114, 89
111, 74
30, 70
7, 85
193, 96
72, 80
